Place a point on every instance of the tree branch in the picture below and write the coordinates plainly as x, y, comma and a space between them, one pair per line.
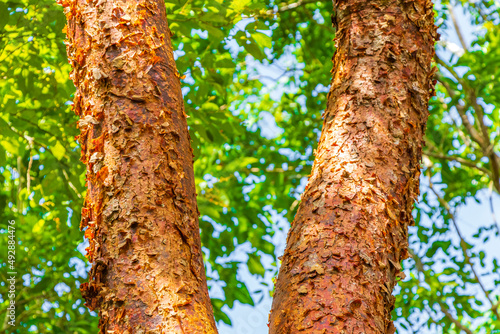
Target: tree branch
465, 252
457, 28
481, 137
459, 160
420, 268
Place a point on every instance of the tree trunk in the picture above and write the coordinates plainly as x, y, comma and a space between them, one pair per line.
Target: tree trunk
349, 236
140, 209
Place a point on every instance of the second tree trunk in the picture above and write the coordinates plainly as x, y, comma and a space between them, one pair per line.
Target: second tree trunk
346, 244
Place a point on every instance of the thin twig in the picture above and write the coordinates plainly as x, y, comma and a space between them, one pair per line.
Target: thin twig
420, 268
457, 28
28, 176
481, 136
455, 321
459, 160
492, 209
71, 184
290, 6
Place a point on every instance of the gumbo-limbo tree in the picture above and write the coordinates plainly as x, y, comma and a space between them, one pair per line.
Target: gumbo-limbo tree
140, 210
350, 233
209, 129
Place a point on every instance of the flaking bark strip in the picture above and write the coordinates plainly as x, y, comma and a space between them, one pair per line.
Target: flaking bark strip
349, 236
140, 210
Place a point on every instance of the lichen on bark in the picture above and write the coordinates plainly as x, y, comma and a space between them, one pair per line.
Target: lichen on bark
140, 211
347, 241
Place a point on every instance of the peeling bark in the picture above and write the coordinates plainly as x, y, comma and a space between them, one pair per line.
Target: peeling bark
140, 210
346, 244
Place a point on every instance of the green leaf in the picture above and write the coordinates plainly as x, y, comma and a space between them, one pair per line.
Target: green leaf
255, 266
238, 5
263, 40
58, 150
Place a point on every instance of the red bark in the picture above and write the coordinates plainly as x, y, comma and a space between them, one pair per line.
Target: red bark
346, 244
140, 209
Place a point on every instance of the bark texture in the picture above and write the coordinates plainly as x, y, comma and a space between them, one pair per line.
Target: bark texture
349, 236
140, 209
